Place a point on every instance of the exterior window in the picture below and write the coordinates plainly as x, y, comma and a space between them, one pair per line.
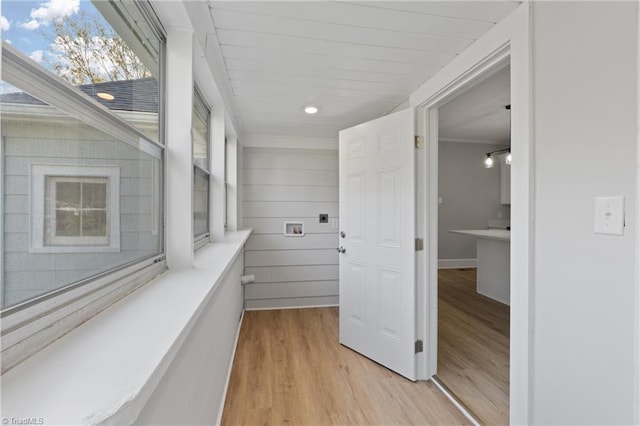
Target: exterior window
82, 185
77, 211
200, 131
72, 209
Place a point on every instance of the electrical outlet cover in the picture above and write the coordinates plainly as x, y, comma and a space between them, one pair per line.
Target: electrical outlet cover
609, 216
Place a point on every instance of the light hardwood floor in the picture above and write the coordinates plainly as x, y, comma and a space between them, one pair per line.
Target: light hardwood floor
473, 346
290, 369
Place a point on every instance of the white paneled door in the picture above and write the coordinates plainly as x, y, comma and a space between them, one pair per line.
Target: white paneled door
376, 244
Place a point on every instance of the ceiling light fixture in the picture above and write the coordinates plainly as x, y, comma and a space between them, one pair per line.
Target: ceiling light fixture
105, 96
488, 159
311, 109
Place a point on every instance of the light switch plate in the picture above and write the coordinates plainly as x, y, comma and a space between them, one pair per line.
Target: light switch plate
609, 217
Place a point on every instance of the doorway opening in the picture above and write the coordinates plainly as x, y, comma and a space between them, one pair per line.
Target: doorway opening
473, 246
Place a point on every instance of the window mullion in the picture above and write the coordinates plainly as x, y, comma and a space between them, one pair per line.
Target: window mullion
81, 208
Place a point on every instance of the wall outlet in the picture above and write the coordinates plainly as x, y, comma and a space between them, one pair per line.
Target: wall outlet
324, 218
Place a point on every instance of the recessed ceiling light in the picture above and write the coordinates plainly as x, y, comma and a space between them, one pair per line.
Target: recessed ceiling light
311, 109
105, 96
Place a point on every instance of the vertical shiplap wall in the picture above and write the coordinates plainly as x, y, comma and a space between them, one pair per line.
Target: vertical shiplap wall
290, 185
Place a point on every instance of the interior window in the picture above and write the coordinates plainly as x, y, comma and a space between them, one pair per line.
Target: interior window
200, 133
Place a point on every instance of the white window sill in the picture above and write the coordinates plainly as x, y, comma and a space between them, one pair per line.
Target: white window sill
105, 370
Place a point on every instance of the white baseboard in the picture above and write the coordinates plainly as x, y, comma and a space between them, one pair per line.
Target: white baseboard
278, 308
457, 263
226, 385
291, 303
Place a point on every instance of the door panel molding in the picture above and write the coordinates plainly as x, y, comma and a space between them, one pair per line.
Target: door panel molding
377, 267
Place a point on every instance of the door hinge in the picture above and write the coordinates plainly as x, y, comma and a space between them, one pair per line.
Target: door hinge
419, 244
419, 346
419, 142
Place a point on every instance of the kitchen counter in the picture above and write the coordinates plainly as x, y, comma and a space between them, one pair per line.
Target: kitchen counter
493, 247
494, 234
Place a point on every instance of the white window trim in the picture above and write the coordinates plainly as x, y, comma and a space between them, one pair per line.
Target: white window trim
33, 324
51, 220
38, 207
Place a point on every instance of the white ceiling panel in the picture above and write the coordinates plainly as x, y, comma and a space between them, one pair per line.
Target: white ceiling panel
364, 16
485, 11
292, 111
479, 114
314, 61
295, 119
331, 73
291, 91
355, 60
330, 48
229, 20
323, 82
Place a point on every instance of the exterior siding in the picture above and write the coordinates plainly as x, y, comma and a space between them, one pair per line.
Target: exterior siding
26, 274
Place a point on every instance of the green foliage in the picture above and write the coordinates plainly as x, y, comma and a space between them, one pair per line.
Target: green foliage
85, 50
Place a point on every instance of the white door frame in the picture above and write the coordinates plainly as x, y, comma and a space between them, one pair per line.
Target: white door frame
637, 345
508, 41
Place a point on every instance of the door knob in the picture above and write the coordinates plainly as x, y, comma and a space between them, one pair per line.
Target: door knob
342, 234
341, 249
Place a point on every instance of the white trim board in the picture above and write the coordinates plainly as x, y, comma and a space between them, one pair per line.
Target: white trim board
457, 263
637, 333
2, 190
278, 308
508, 42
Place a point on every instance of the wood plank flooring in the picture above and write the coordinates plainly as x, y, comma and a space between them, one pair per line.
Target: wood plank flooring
290, 369
473, 346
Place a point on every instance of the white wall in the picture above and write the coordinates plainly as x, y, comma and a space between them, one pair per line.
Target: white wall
283, 184
584, 91
192, 389
470, 197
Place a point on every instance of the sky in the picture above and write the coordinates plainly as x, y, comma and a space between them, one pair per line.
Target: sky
24, 22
